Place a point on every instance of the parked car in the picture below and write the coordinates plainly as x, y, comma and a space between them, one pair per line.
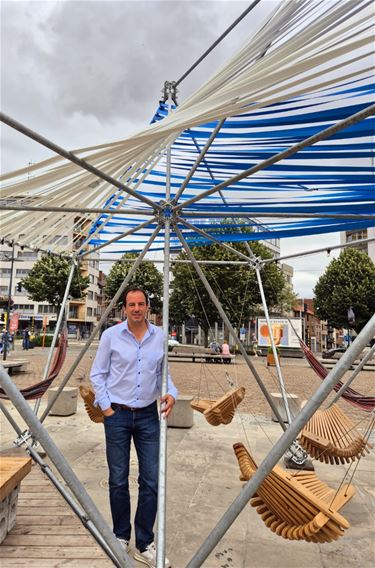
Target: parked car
173, 342
330, 353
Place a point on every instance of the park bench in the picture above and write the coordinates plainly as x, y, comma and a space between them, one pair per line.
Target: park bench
12, 470
197, 353
14, 367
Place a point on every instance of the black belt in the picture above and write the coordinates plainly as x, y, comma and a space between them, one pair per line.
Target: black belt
116, 406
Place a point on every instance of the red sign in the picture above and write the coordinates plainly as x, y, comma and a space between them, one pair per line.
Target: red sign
13, 324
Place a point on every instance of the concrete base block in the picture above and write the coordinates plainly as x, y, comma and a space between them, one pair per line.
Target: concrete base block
182, 415
4, 508
293, 401
66, 404
8, 512
12, 511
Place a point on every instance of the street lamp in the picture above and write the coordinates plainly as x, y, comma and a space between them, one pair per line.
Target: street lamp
9, 304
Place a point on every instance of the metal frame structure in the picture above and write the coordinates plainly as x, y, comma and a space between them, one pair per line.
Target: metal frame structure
169, 215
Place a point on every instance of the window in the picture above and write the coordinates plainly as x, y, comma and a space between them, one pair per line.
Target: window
22, 271
5, 271
23, 307
46, 309
27, 254
4, 290
90, 295
89, 311
73, 312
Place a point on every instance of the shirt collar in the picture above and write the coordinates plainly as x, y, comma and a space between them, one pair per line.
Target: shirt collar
124, 326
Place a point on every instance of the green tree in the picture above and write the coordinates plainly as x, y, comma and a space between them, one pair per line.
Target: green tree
348, 282
235, 286
147, 276
46, 281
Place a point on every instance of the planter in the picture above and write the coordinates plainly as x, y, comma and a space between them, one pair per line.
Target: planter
271, 360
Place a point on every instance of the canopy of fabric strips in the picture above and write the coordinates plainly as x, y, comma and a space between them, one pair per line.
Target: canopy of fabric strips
299, 74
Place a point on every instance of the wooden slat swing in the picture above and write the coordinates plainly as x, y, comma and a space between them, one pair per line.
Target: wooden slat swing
94, 412
296, 506
331, 437
221, 410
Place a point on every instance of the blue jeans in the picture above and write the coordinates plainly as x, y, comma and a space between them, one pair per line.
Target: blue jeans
143, 426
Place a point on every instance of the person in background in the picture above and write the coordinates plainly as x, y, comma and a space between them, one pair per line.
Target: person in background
254, 343
225, 351
25, 339
126, 377
214, 346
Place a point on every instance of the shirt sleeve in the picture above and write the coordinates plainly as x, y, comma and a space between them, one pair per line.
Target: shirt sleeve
171, 389
100, 371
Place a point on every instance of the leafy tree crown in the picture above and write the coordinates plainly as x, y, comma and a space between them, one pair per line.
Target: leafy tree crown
348, 282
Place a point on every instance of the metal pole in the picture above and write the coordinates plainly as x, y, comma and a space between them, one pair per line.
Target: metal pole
58, 325
63, 467
126, 234
214, 239
199, 159
262, 212
278, 370
99, 210
219, 39
359, 367
216, 214
6, 330
175, 261
87, 523
282, 445
354, 244
225, 318
353, 119
161, 531
73, 158
98, 326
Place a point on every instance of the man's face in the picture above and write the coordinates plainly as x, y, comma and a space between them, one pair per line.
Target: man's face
136, 307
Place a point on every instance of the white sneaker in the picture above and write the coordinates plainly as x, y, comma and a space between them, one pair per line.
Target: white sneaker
125, 544
148, 557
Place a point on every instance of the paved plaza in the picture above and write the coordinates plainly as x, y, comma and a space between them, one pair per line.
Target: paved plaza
203, 480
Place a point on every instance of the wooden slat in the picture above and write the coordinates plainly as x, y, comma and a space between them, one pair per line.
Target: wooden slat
57, 520
80, 540
57, 563
47, 552
47, 529
46, 511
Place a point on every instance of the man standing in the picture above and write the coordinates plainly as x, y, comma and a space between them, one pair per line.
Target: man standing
126, 377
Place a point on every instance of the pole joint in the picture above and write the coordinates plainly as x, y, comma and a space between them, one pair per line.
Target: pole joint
170, 89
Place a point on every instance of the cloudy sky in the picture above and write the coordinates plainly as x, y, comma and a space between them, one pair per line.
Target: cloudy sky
87, 72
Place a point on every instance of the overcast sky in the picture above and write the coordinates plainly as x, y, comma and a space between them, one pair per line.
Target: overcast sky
84, 73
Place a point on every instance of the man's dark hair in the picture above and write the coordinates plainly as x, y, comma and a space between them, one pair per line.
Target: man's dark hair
135, 289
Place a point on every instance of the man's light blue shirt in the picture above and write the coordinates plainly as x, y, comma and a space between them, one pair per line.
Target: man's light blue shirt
128, 371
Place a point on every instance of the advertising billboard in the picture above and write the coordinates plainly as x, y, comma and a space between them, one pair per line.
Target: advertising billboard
282, 331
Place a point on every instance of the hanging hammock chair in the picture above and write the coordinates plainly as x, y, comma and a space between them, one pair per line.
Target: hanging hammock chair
94, 412
296, 506
330, 436
222, 410
366, 403
37, 390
